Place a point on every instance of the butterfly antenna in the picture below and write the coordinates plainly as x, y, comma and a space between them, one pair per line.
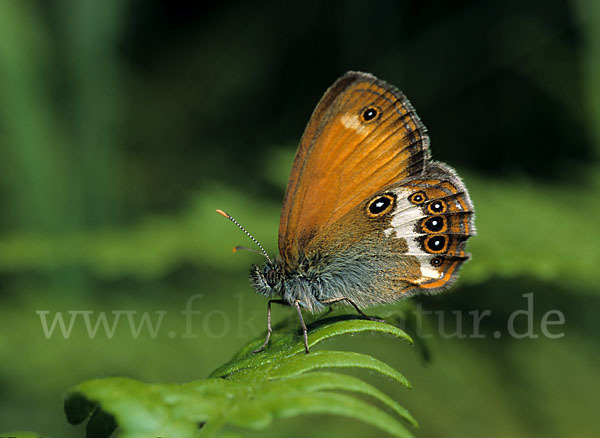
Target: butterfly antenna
237, 248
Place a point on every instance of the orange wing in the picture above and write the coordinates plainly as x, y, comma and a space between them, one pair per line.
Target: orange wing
363, 135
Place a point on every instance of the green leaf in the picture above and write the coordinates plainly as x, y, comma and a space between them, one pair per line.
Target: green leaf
250, 391
287, 405
328, 359
320, 380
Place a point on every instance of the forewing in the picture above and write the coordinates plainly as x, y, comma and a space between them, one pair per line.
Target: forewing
345, 156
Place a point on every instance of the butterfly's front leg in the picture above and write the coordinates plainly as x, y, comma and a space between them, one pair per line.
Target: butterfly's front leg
269, 329
363, 314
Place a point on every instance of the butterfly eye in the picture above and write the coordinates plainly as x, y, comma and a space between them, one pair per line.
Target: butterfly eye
370, 113
436, 244
417, 198
434, 224
436, 261
271, 276
437, 207
381, 205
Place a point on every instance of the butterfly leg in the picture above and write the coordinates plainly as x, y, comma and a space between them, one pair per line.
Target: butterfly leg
363, 314
304, 329
269, 329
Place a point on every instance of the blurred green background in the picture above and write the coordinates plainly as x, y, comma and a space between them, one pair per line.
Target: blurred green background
124, 124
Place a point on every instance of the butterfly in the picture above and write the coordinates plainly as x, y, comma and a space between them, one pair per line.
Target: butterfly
368, 218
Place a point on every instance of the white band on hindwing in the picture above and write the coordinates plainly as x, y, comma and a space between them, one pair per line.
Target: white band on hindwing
404, 217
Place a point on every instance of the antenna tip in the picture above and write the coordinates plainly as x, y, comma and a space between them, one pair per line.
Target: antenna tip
222, 213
